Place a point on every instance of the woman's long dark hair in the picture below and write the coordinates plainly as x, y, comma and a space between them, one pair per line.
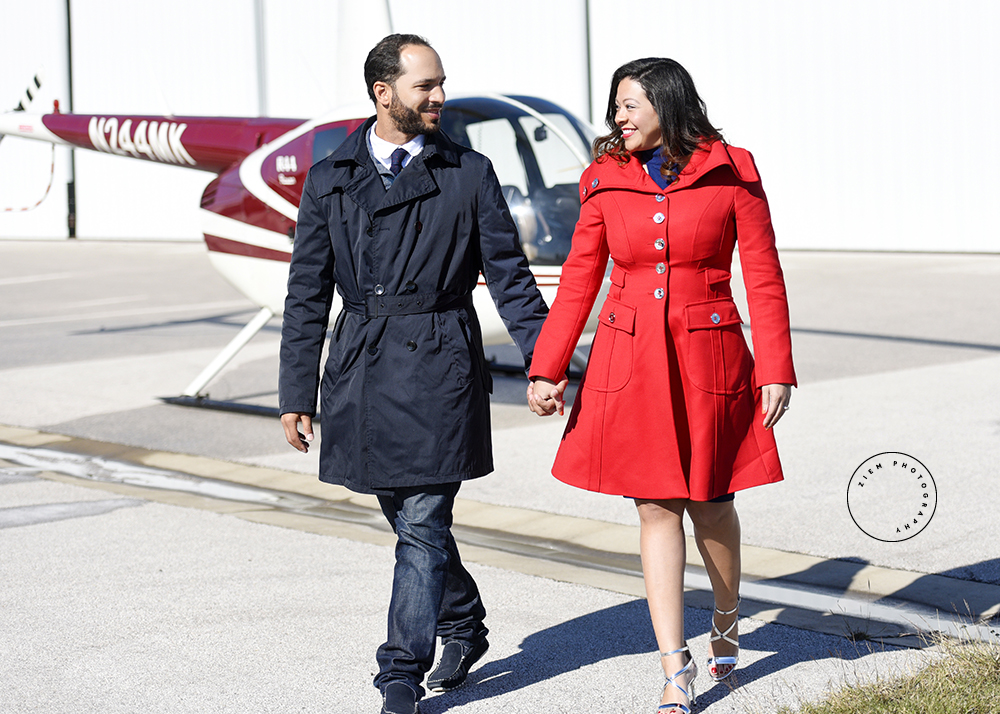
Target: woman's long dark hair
683, 121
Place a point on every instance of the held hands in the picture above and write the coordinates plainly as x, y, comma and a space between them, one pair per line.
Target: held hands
774, 402
545, 397
290, 422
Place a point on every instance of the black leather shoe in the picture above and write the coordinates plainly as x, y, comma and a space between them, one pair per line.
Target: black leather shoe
399, 698
457, 659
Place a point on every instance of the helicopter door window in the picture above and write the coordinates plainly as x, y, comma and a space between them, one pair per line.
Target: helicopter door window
558, 164
496, 139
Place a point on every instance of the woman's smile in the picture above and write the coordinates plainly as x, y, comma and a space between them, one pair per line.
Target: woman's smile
636, 117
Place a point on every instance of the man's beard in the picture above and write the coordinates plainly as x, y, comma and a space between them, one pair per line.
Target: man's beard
409, 121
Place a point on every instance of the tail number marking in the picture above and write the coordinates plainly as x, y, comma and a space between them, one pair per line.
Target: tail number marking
159, 141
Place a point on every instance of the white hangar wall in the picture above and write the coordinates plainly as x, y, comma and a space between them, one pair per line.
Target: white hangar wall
31, 41
871, 120
186, 58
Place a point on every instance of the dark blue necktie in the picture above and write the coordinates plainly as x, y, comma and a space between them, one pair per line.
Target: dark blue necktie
396, 160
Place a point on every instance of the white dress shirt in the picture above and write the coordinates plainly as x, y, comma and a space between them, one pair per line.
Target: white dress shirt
382, 149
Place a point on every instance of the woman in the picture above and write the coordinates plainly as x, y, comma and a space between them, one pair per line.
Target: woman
673, 411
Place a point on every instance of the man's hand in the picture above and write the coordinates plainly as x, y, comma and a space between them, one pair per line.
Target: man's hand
299, 440
774, 400
545, 397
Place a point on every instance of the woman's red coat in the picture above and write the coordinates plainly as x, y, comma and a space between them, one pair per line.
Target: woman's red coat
669, 406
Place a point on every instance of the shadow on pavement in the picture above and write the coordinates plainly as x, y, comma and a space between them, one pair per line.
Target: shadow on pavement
626, 630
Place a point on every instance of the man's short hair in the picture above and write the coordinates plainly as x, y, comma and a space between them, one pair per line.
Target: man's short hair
383, 62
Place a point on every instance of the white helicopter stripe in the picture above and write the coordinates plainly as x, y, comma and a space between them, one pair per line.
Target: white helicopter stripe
231, 229
250, 168
216, 225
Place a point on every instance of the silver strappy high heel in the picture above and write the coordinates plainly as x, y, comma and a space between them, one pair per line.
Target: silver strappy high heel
715, 663
689, 671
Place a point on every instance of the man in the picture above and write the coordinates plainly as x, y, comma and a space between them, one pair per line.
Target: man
400, 220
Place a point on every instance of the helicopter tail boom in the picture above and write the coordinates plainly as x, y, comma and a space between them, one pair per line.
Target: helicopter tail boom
204, 143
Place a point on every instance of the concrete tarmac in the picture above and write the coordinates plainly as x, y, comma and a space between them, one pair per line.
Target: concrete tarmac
123, 596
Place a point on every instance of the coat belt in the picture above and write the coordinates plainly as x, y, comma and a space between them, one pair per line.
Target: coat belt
385, 305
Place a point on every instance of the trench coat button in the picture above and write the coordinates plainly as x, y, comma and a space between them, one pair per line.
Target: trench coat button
611, 317
660, 244
661, 268
659, 293
659, 218
379, 290
411, 345
420, 226
660, 197
372, 350
715, 318
410, 287
594, 183
370, 231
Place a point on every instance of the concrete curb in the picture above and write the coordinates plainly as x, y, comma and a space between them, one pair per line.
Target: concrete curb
832, 596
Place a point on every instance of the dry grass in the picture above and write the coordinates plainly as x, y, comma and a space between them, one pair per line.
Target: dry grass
966, 680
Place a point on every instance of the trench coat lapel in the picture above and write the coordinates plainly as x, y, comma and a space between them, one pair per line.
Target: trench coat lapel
365, 188
412, 184
351, 167
418, 181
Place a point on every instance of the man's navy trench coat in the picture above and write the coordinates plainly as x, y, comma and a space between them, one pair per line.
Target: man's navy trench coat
405, 397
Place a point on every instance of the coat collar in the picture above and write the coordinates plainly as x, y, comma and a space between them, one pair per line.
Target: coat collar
714, 155
607, 173
355, 149
352, 169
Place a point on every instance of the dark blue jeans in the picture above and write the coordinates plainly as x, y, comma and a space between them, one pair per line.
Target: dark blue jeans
433, 595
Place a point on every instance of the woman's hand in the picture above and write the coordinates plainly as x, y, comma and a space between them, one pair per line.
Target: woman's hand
774, 402
545, 397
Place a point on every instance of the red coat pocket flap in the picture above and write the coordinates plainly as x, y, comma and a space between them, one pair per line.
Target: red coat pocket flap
711, 313
716, 275
618, 315
618, 276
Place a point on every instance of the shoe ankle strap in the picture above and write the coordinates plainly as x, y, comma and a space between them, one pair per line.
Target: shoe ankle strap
682, 649
730, 612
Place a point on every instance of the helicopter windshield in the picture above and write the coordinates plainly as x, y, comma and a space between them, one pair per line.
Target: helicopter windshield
538, 152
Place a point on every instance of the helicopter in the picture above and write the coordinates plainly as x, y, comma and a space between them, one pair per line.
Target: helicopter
248, 210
